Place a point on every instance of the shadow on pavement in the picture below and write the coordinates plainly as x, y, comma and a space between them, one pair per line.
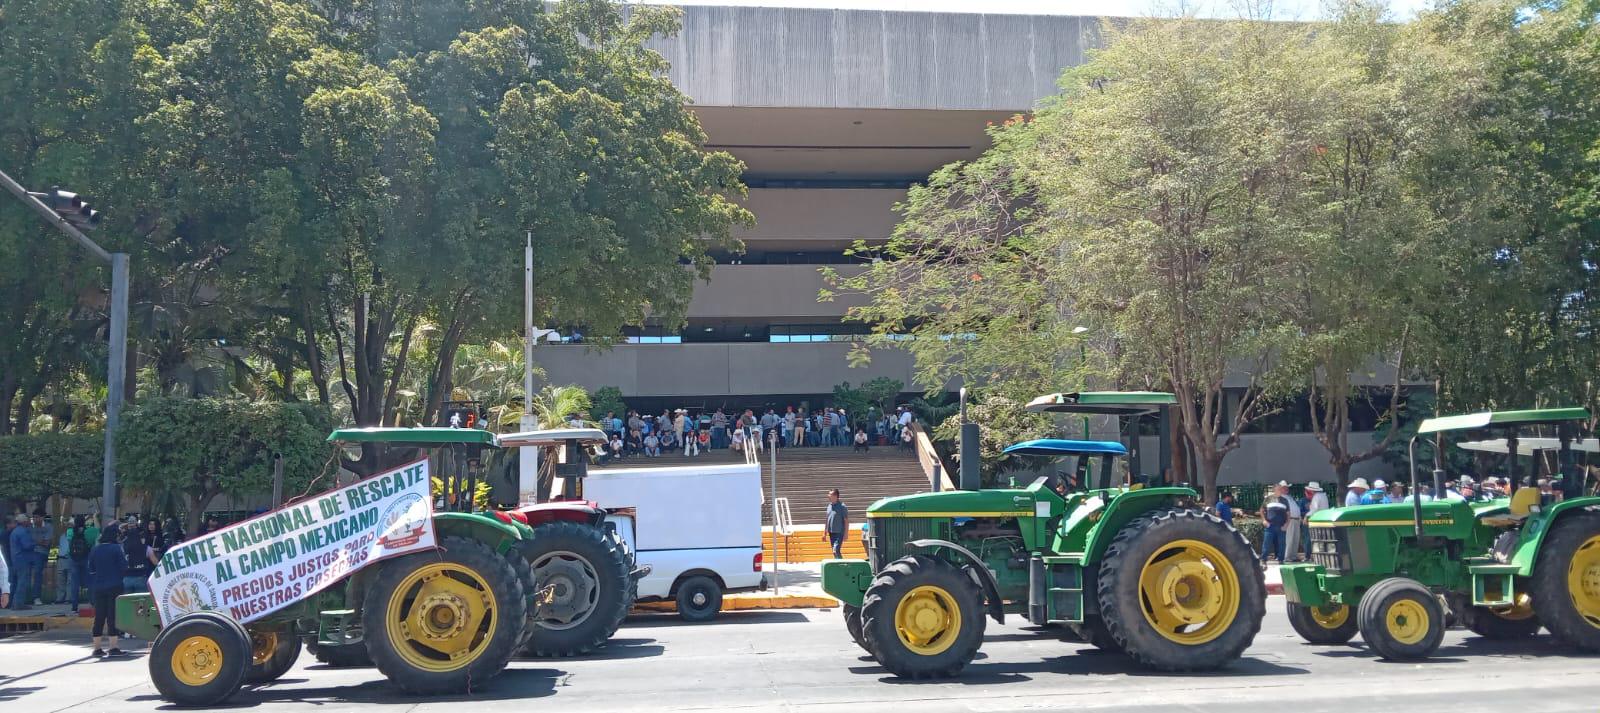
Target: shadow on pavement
1475, 646
754, 616
1089, 663
511, 684
616, 648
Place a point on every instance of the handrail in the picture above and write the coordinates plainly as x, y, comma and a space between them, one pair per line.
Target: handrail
784, 522
928, 458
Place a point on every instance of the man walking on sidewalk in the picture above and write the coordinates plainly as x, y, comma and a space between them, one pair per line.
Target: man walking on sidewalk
838, 523
22, 565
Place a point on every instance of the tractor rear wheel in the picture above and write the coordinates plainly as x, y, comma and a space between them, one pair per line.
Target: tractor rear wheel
589, 569
1094, 633
1180, 590
442, 621
1327, 624
1516, 622
272, 654
200, 660
922, 617
852, 624
1566, 581
1401, 620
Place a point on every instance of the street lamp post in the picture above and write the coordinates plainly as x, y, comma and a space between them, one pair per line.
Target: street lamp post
67, 212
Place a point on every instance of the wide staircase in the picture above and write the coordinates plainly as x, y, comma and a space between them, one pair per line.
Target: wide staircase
805, 475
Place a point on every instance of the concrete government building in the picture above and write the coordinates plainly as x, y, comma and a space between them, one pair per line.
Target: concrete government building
835, 113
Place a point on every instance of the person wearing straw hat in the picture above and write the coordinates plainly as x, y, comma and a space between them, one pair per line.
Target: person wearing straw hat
1296, 521
1352, 495
1316, 501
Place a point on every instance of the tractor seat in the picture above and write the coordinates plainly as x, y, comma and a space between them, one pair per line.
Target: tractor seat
1522, 503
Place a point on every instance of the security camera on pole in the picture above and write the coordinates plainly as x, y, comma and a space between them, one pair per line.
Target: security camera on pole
70, 214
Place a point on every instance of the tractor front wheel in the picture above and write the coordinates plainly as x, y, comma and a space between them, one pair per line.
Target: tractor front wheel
1181, 590
272, 654
852, 624
1327, 624
923, 618
200, 660
442, 621
1401, 620
1566, 581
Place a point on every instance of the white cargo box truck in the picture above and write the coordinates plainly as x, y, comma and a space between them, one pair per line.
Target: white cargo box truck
698, 529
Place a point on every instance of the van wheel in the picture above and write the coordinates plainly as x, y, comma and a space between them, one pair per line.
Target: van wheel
699, 598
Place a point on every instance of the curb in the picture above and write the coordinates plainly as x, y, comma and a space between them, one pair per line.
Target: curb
743, 603
1274, 589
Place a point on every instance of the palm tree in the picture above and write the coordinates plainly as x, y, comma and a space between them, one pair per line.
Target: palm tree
552, 406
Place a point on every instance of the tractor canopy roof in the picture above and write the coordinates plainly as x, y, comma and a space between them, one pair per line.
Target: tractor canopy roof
1060, 447
552, 437
1508, 419
1121, 403
1529, 445
416, 437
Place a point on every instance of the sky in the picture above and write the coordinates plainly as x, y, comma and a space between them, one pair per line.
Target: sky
1281, 10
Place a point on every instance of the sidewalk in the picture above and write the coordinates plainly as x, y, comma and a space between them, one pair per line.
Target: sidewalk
46, 616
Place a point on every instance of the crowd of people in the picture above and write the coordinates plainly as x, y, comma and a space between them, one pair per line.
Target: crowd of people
634, 435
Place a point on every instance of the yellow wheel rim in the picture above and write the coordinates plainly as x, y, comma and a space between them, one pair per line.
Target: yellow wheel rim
1407, 621
263, 644
1189, 592
441, 617
1583, 581
1331, 616
928, 620
197, 660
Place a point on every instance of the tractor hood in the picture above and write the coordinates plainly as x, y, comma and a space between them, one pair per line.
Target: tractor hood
956, 503
1436, 511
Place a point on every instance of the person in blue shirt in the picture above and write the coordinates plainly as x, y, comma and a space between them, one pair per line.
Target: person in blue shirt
108, 565
1377, 494
24, 555
1276, 514
1225, 507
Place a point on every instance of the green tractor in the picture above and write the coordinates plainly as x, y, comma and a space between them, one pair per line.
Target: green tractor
1137, 568
1501, 567
403, 570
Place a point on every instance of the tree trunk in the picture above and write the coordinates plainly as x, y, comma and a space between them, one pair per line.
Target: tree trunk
1341, 477
1210, 465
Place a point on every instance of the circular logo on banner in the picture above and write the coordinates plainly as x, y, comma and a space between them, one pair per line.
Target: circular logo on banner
404, 522
189, 592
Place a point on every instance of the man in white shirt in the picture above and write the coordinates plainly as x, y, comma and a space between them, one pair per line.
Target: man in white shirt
1352, 494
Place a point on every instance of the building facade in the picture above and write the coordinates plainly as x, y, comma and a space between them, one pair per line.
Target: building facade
835, 113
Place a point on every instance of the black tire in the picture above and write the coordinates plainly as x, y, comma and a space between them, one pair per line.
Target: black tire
1572, 547
530, 622
1392, 603
1338, 624
1149, 539
272, 654
401, 581
885, 596
699, 599
579, 621
192, 642
1094, 633
852, 624
633, 563
351, 656
1489, 624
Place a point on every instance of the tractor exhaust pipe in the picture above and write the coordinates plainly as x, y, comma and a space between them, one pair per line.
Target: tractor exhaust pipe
1416, 498
971, 475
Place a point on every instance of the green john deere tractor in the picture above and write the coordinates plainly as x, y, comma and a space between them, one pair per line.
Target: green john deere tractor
1132, 567
1502, 567
433, 618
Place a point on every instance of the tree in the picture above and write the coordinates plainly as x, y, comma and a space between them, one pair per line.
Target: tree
44, 465
198, 449
1005, 422
607, 399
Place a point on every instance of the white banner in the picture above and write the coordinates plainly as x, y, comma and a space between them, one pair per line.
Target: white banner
252, 568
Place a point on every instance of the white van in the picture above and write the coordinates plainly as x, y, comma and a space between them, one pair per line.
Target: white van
698, 529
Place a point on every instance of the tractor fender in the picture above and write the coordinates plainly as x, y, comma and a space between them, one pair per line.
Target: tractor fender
991, 589
1531, 539
1121, 509
483, 528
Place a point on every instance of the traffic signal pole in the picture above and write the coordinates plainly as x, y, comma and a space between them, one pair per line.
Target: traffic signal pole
117, 362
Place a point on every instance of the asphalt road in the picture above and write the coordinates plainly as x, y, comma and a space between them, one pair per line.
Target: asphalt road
804, 661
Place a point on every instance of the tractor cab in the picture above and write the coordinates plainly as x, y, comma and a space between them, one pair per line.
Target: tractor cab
1085, 453
455, 456
1130, 408
1512, 508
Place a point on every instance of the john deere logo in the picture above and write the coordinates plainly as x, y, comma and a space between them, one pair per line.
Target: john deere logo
189, 592
404, 522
